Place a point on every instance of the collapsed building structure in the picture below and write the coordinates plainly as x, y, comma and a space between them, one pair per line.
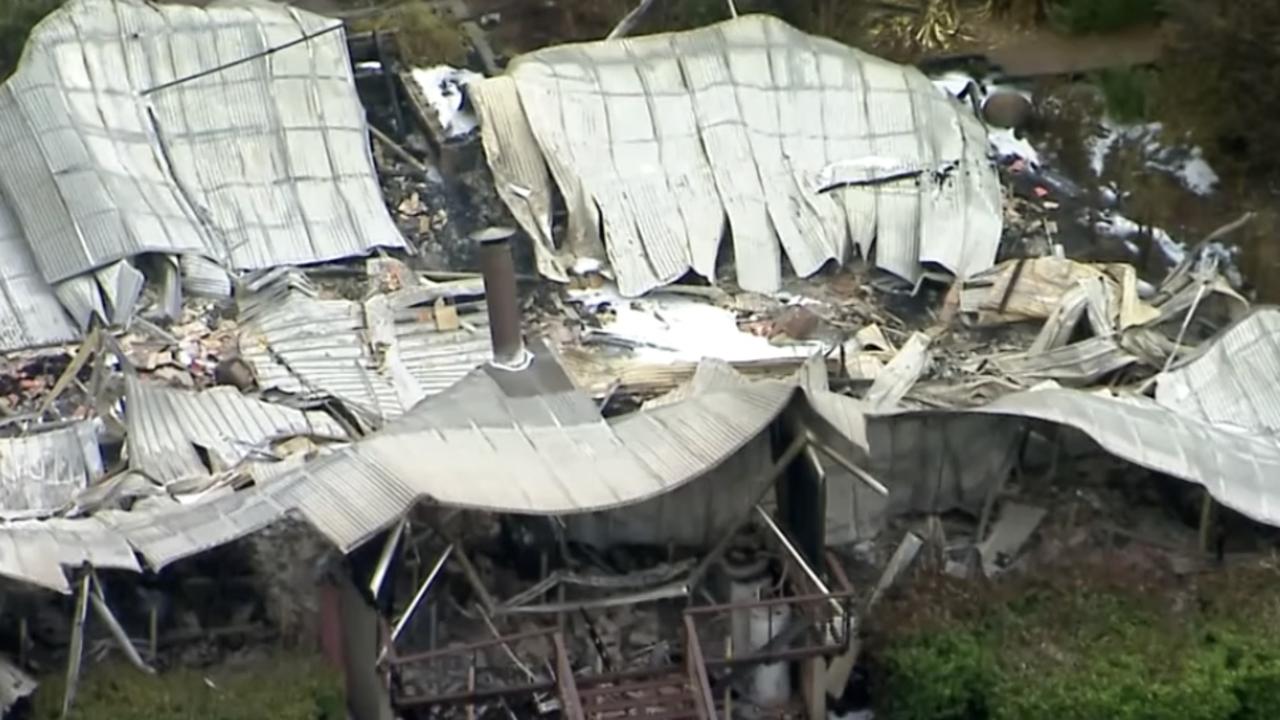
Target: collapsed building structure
496, 478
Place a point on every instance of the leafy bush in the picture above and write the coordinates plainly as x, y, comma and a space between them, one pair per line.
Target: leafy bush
938, 677
1126, 92
1101, 16
1071, 648
281, 688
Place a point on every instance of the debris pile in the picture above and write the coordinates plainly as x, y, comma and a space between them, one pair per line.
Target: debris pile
629, 489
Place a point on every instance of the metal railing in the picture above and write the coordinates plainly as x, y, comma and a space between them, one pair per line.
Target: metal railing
812, 626
476, 672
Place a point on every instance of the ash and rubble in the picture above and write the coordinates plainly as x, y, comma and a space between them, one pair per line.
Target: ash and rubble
660, 453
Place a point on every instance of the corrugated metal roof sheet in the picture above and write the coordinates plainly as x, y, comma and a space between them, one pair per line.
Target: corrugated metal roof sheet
1233, 381
662, 139
45, 470
168, 427
381, 357
260, 164
30, 315
494, 441
36, 551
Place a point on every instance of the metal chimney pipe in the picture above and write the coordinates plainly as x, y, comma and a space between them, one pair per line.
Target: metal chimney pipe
500, 293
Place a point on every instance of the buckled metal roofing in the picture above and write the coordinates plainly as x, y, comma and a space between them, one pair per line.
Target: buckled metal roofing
130, 127
30, 315
168, 427
43, 471
672, 141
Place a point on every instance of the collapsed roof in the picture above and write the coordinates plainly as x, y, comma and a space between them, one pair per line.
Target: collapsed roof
230, 133
669, 142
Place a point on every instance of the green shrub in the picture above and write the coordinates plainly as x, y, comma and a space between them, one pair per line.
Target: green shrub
1256, 667
1126, 92
280, 688
1101, 16
1073, 646
942, 676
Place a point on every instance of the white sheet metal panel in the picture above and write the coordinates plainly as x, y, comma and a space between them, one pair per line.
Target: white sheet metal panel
166, 425
523, 442
44, 471
667, 137
30, 315
1232, 382
259, 164
308, 346
478, 446
36, 551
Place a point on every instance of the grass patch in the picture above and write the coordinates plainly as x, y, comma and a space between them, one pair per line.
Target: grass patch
1083, 17
283, 687
1127, 92
1076, 647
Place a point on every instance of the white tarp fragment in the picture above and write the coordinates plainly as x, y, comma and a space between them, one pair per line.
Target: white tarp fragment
660, 140
259, 164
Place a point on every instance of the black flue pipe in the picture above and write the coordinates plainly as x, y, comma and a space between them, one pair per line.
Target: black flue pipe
499, 273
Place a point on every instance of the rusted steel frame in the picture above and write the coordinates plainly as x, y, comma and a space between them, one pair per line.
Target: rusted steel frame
478, 696
803, 653
772, 602
474, 697
468, 648
697, 668
570, 703
837, 571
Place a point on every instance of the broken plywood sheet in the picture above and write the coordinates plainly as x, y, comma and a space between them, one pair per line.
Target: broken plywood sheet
1035, 289
1012, 530
893, 383
665, 141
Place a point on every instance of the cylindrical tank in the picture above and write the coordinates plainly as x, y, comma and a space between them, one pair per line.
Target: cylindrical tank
752, 628
771, 683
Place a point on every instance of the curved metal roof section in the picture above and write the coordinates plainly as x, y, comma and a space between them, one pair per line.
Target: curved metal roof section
521, 442
668, 141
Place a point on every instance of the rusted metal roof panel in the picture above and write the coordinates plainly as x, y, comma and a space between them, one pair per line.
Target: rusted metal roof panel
662, 140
